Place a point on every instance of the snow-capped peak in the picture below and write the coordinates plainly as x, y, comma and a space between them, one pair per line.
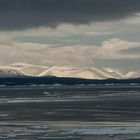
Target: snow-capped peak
23, 69
80, 72
133, 74
7, 71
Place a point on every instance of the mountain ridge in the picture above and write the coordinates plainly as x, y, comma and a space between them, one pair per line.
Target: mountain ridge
23, 69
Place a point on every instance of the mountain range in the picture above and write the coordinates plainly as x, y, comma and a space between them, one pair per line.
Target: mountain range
23, 69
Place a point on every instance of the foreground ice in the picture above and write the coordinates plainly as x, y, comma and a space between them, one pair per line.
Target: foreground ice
102, 131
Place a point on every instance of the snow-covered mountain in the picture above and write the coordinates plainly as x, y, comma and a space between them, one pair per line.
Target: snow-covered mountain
80, 72
7, 71
23, 69
133, 74
28, 69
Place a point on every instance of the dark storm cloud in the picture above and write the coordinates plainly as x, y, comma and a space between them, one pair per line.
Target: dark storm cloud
21, 14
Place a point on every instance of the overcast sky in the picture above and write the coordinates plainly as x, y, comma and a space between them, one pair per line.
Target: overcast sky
98, 33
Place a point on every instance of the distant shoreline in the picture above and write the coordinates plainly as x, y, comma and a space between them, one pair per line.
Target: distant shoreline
52, 80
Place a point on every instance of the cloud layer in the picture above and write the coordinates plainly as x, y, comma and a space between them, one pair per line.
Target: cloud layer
78, 55
21, 14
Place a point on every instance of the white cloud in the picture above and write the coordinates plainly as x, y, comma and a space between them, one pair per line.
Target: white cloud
63, 30
35, 53
115, 49
5, 40
135, 20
